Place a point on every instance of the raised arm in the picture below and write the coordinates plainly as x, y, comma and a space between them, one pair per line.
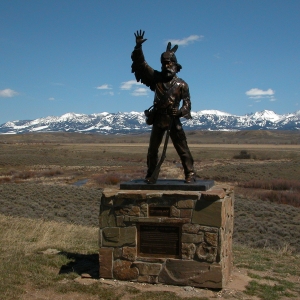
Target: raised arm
142, 71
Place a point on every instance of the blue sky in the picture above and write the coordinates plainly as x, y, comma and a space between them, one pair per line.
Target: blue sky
74, 56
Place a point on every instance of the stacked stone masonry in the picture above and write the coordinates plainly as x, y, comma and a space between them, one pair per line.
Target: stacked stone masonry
170, 237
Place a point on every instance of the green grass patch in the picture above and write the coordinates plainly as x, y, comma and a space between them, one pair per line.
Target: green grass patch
163, 296
267, 292
265, 259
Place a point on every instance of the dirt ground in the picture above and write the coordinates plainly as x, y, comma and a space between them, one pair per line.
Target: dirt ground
234, 289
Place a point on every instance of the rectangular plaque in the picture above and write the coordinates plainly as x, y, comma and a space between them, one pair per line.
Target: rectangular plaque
155, 211
159, 240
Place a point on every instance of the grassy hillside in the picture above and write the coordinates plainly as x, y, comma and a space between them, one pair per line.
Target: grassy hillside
50, 190
194, 137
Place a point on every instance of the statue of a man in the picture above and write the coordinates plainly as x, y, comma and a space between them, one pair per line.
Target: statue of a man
169, 91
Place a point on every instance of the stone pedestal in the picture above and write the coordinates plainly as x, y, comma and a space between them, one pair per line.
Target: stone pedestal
171, 237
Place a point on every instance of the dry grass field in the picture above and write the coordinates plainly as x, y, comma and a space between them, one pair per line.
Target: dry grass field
50, 190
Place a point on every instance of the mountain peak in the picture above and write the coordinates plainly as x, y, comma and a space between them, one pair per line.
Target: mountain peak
267, 115
213, 112
134, 122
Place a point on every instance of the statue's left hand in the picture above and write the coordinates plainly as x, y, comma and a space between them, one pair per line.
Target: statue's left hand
176, 112
139, 38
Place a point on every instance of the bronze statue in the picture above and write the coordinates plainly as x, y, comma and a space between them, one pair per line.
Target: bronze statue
165, 114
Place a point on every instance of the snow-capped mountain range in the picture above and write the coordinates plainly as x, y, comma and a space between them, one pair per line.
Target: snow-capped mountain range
134, 122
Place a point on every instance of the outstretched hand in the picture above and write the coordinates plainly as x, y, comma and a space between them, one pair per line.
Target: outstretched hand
139, 37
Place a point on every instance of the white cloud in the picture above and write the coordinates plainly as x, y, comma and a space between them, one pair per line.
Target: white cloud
51, 99
256, 94
104, 87
186, 41
127, 85
8, 93
140, 92
133, 84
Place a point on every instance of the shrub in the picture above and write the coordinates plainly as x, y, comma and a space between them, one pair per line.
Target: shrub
9, 172
282, 197
275, 184
110, 179
243, 155
24, 175
51, 173
5, 179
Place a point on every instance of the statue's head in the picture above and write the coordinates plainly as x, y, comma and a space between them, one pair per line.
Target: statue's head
169, 65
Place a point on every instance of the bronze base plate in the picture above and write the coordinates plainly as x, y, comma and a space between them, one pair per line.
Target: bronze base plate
167, 185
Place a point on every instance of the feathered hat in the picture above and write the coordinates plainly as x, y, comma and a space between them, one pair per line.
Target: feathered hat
169, 55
